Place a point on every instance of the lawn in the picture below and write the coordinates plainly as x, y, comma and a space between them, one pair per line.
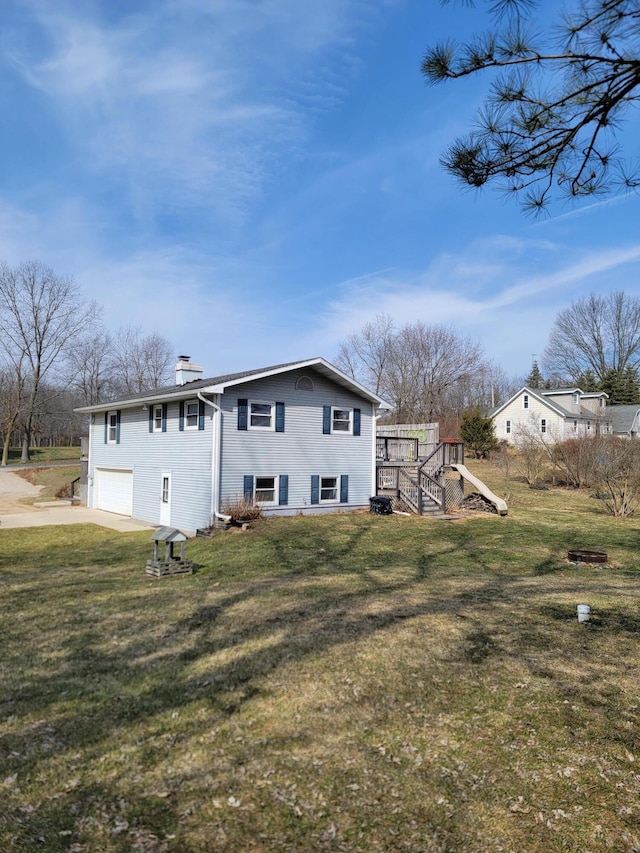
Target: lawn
343, 683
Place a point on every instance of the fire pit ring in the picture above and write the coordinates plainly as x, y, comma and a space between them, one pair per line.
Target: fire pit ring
581, 555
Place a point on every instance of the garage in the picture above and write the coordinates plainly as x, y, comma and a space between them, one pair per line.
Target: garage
113, 490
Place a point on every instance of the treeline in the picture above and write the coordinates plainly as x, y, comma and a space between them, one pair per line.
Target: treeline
430, 372
56, 354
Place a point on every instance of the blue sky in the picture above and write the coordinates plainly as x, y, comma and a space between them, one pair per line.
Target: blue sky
255, 179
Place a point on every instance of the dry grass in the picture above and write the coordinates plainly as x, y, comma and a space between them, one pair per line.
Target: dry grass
344, 683
56, 482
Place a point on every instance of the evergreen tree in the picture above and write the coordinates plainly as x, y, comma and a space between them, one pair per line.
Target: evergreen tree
535, 379
478, 433
613, 384
588, 382
630, 386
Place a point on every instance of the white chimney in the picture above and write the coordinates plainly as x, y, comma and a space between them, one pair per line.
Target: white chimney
186, 371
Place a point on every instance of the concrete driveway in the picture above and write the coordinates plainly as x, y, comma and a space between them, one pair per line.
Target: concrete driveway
14, 513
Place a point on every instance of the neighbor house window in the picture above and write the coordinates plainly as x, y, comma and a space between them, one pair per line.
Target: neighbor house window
157, 418
576, 397
508, 427
543, 425
525, 401
588, 424
341, 420
165, 489
575, 426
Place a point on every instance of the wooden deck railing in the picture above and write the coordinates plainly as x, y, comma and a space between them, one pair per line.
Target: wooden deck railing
390, 449
414, 483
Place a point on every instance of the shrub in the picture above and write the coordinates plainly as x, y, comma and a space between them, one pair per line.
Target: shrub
242, 510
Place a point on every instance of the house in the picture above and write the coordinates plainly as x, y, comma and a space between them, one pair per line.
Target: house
553, 415
625, 420
297, 437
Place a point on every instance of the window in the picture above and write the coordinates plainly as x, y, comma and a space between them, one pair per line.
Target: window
575, 426
341, 421
191, 415
543, 425
507, 428
525, 401
329, 489
112, 427
157, 418
259, 415
165, 489
576, 397
191, 409
304, 383
588, 424
267, 490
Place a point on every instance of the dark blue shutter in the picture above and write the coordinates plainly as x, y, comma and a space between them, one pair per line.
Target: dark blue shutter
248, 488
181, 426
283, 490
344, 489
106, 427
164, 417
279, 417
242, 414
200, 414
151, 412
315, 489
118, 413
326, 420
356, 421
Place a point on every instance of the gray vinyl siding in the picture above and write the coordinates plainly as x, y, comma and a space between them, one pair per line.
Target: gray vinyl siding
186, 455
301, 450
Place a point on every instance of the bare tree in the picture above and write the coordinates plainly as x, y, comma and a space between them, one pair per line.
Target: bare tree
140, 362
596, 334
549, 122
12, 394
425, 371
42, 314
91, 367
365, 354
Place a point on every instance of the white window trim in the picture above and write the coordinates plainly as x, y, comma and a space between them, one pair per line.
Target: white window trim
113, 427
272, 416
342, 431
157, 428
335, 500
525, 401
276, 489
188, 403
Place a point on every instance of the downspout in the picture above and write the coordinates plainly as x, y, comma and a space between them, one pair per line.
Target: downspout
374, 474
215, 462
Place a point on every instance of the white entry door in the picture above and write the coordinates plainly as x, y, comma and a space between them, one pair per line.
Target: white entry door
165, 500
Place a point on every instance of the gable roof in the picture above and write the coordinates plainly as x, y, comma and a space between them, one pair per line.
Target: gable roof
623, 417
544, 398
219, 384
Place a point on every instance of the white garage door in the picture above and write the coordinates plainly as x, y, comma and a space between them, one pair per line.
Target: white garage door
114, 490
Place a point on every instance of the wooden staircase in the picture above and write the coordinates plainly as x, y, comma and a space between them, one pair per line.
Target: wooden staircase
418, 484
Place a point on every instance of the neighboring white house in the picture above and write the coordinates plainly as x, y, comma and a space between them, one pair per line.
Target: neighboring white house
297, 437
554, 415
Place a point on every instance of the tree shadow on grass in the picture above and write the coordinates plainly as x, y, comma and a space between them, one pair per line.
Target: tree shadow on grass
240, 637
